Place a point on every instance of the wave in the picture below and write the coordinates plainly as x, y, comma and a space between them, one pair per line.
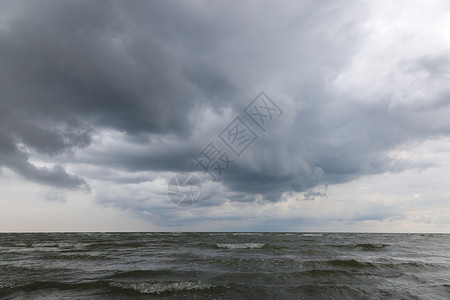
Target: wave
338, 263
361, 246
25, 245
241, 246
78, 245
143, 287
247, 233
328, 274
115, 245
140, 274
312, 234
44, 285
412, 266
162, 287
45, 245
371, 247
80, 255
350, 263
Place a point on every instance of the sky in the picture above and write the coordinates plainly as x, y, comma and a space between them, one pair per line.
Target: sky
284, 116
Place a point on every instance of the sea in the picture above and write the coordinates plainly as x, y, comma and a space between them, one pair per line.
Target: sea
239, 265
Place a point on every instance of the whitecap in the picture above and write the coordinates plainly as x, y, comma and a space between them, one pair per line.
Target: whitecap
241, 246
312, 234
161, 287
247, 233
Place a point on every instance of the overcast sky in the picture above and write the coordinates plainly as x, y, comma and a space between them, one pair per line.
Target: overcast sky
102, 103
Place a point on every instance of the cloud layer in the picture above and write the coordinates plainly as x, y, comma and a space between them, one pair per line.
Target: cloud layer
118, 97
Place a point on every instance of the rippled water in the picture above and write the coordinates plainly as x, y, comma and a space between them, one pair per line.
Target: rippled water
224, 266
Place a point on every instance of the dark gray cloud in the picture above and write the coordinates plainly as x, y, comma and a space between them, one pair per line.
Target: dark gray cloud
20, 136
68, 68
167, 75
82, 59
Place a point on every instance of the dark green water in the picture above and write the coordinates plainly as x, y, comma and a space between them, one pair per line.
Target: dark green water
224, 266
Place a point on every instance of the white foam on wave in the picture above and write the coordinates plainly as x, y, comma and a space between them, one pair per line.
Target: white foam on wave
247, 233
312, 234
241, 246
161, 287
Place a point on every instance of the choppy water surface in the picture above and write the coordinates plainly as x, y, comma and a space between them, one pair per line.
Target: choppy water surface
224, 266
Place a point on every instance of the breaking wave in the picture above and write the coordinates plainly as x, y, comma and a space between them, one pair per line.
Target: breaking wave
162, 287
241, 246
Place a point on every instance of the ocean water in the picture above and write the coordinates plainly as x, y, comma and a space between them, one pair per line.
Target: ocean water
224, 266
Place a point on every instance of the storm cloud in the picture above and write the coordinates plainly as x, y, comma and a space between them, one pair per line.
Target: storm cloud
124, 94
